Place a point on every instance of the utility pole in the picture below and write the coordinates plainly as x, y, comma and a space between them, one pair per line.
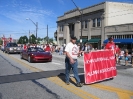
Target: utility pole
47, 34
36, 24
29, 36
36, 29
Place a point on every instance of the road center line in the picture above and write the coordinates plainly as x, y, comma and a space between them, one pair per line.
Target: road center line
122, 94
81, 93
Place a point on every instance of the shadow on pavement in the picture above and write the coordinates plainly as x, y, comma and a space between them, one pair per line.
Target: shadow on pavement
46, 74
82, 78
32, 76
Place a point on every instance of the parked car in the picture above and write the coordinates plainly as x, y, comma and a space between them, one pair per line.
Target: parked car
12, 48
36, 54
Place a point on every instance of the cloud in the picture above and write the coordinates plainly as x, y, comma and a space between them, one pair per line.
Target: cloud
61, 1
18, 11
15, 13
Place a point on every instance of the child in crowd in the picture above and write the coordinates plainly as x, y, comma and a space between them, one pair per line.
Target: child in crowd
126, 57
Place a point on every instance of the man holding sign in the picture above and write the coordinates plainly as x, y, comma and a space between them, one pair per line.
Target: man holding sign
110, 44
72, 51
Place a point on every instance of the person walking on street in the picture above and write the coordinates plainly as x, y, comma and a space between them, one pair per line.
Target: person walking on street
132, 57
126, 57
71, 61
110, 45
61, 50
117, 50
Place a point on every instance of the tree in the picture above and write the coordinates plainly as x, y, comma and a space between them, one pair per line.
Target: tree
50, 40
1, 42
39, 39
23, 40
32, 39
20, 40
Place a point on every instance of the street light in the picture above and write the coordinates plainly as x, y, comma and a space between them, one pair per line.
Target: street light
36, 24
81, 19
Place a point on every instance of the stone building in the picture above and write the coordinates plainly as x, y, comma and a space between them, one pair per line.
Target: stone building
98, 22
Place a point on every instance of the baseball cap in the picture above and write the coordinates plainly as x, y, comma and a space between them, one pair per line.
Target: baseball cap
74, 38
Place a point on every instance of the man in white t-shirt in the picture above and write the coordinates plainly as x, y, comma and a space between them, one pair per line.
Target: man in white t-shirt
71, 61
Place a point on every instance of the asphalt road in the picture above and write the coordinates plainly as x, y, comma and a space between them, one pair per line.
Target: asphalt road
22, 80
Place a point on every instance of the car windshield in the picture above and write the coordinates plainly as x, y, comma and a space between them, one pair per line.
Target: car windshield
36, 49
13, 45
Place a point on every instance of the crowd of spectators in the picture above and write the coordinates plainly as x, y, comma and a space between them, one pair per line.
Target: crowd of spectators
121, 54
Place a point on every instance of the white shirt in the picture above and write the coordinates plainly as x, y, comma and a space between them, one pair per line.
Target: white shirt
72, 49
122, 53
61, 48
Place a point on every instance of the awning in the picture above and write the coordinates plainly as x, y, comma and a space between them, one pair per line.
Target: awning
83, 40
94, 40
127, 41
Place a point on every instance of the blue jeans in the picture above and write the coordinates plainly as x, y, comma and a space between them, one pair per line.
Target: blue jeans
74, 69
61, 52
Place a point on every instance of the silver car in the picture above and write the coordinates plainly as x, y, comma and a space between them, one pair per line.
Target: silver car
12, 48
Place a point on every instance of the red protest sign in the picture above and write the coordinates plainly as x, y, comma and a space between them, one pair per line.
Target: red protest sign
99, 65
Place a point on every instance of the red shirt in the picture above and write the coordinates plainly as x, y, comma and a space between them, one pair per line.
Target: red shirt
47, 49
25, 47
110, 45
117, 50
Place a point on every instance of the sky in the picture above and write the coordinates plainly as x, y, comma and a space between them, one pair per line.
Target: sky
13, 15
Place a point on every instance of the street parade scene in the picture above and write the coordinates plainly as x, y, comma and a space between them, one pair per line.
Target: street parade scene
75, 53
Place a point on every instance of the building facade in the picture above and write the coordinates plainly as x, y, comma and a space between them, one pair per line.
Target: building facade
98, 22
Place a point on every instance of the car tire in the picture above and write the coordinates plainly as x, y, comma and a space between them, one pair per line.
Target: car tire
50, 61
29, 59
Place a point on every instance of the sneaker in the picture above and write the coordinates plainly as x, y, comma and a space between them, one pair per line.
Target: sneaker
79, 84
67, 83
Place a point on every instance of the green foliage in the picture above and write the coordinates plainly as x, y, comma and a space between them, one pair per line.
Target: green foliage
32, 40
23, 40
1, 42
50, 40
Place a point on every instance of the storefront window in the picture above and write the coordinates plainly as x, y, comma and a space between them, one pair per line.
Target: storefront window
98, 22
62, 27
86, 24
94, 23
